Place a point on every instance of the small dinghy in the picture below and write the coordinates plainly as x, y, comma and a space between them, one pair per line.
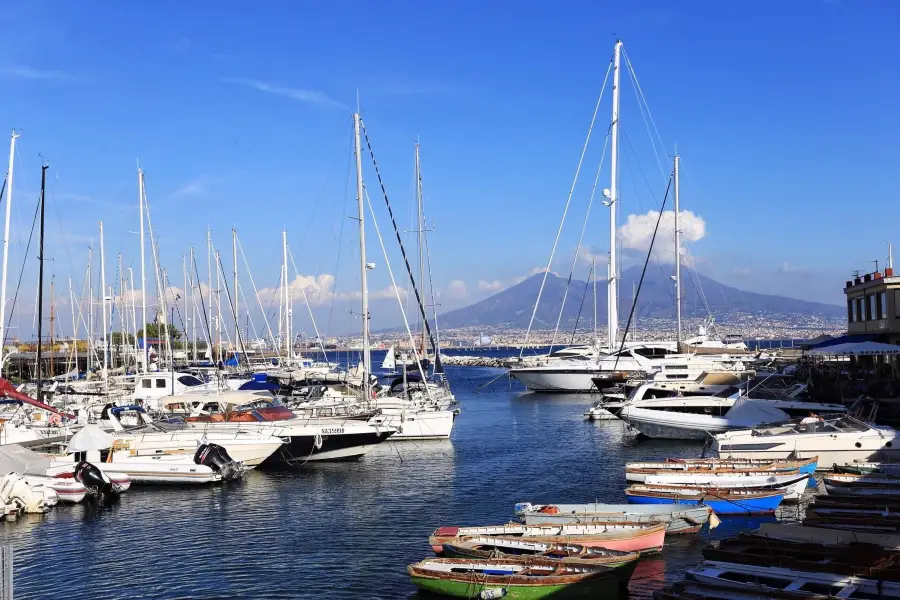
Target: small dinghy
678, 520
890, 502
646, 538
857, 559
722, 501
492, 547
637, 471
839, 483
793, 485
867, 468
831, 537
525, 579
761, 580
864, 518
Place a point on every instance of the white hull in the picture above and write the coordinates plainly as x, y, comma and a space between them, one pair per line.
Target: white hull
250, 449
351, 453
671, 425
827, 457
538, 380
421, 425
793, 485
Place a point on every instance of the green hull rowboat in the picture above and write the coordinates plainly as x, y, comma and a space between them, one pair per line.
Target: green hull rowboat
517, 578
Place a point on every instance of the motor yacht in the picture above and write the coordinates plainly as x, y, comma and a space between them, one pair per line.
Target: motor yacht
836, 441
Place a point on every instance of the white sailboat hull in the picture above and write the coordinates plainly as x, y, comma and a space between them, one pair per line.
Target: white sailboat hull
417, 425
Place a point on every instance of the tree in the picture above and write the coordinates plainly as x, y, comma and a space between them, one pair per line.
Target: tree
116, 338
159, 331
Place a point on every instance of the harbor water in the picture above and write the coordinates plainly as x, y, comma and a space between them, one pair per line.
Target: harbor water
347, 530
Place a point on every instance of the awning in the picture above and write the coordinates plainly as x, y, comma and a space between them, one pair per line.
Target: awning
856, 349
845, 339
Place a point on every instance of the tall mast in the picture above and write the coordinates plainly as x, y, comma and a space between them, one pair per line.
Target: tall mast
103, 305
285, 310
367, 359
594, 286
146, 365
420, 229
677, 255
185, 292
123, 313
237, 322
9, 189
40, 319
613, 284
133, 313
52, 318
90, 335
209, 349
193, 307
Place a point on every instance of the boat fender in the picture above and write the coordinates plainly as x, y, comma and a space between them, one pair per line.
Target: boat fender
216, 458
523, 507
492, 593
318, 441
93, 479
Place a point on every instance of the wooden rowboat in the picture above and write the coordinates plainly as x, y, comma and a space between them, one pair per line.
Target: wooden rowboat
646, 538
516, 579
858, 559
494, 547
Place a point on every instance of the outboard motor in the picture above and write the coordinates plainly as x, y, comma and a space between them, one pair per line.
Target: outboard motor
97, 483
216, 458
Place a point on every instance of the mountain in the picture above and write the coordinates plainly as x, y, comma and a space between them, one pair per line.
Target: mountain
513, 306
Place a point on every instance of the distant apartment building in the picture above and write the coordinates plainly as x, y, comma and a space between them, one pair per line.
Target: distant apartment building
873, 306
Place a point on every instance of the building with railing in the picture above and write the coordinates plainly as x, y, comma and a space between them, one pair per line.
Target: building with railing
873, 306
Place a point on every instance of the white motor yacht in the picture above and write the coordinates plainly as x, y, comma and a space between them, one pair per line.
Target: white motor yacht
836, 441
577, 375
674, 416
151, 439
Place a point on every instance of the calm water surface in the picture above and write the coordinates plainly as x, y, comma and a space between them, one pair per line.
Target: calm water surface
346, 530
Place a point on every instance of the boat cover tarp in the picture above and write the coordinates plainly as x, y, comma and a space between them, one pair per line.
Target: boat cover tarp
750, 413
856, 349
90, 437
16, 459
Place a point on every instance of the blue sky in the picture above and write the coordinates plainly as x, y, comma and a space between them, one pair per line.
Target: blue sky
785, 114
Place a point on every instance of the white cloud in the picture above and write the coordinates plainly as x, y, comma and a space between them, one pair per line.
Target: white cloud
637, 232
309, 96
787, 268
587, 256
31, 73
490, 286
457, 289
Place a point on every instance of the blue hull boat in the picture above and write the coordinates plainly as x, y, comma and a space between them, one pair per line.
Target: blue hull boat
722, 501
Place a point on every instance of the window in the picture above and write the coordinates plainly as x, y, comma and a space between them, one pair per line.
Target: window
850, 311
859, 310
160, 383
870, 307
145, 383
882, 299
879, 305
897, 303
189, 380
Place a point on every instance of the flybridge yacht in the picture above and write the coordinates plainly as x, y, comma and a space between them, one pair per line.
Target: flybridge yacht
836, 441
667, 414
578, 376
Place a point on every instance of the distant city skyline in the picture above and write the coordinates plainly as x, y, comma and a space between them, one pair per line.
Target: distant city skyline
781, 113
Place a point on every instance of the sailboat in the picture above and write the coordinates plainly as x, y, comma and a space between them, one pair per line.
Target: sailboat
635, 358
418, 405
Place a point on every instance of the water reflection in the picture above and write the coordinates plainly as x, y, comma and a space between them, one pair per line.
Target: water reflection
348, 530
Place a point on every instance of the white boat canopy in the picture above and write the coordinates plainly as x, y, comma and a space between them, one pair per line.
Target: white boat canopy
856, 349
90, 437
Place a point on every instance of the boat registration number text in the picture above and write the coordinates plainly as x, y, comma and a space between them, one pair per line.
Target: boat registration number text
328, 430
